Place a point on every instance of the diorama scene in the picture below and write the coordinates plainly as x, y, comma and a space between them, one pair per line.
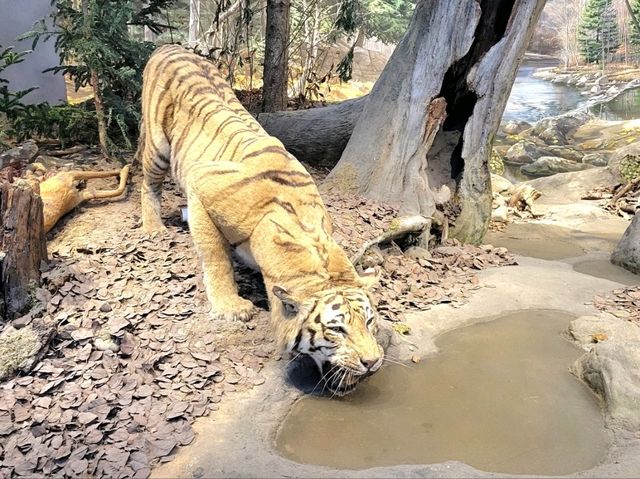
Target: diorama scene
319, 238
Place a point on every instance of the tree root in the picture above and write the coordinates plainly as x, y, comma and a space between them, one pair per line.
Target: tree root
399, 228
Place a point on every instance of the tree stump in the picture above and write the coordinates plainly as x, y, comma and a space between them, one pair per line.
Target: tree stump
23, 246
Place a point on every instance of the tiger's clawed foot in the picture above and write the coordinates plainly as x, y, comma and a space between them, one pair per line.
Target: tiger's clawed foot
238, 309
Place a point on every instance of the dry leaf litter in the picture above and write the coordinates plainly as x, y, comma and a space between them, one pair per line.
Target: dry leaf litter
135, 359
623, 303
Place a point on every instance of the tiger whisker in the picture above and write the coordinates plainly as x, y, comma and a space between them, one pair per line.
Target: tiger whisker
344, 375
323, 377
292, 359
329, 379
397, 362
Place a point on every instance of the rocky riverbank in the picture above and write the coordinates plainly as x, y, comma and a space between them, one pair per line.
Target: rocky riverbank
595, 84
571, 142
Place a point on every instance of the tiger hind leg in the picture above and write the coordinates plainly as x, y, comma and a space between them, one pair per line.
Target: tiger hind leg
214, 252
154, 168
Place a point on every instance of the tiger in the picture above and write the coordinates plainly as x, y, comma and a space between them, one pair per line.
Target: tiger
246, 194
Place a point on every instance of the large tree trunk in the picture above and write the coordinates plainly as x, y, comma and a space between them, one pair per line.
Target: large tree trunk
460, 56
317, 136
22, 247
274, 94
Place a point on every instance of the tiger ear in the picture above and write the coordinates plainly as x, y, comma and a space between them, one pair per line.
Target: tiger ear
369, 278
289, 303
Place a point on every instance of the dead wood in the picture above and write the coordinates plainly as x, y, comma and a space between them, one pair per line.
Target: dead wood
523, 198
625, 189
61, 194
67, 151
22, 246
317, 136
400, 227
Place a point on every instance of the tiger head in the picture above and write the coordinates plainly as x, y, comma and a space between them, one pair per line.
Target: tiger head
336, 327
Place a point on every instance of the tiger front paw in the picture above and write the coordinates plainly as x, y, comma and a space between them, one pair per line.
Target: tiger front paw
154, 227
238, 309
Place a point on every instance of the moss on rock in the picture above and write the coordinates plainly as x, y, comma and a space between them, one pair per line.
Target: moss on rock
496, 163
17, 347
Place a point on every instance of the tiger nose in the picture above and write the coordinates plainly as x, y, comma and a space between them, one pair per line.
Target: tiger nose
368, 363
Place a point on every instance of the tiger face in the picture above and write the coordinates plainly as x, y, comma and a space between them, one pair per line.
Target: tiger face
337, 329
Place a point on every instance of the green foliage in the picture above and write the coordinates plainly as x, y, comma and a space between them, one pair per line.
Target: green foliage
11, 105
598, 34
496, 162
99, 40
634, 36
70, 124
387, 20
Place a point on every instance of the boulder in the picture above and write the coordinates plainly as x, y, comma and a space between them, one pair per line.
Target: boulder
515, 127
556, 130
24, 153
613, 91
595, 159
500, 214
523, 153
565, 152
550, 165
627, 253
500, 184
611, 366
626, 161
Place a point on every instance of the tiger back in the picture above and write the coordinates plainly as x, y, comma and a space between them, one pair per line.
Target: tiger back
246, 193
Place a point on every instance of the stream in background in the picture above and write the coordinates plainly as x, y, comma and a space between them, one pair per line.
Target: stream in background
532, 99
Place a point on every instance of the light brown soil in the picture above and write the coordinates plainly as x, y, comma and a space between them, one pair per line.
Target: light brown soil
136, 358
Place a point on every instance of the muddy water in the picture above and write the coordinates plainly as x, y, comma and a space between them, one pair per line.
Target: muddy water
604, 269
498, 396
550, 242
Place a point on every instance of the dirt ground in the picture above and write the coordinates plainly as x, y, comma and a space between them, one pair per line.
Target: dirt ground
136, 359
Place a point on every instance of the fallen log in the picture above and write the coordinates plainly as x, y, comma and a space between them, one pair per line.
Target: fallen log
22, 246
61, 194
317, 136
624, 190
400, 227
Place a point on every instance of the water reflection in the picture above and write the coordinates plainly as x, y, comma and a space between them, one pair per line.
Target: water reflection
532, 99
624, 107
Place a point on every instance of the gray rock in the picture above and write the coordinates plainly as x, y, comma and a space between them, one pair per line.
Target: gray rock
565, 152
20, 154
515, 127
613, 91
501, 214
595, 159
523, 153
627, 252
555, 130
611, 367
500, 184
550, 165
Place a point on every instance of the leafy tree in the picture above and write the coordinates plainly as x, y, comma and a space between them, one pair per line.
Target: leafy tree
598, 33
97, 49
11, 105
387, 20
634, 37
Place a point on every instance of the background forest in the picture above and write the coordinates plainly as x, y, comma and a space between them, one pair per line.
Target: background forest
104, 45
